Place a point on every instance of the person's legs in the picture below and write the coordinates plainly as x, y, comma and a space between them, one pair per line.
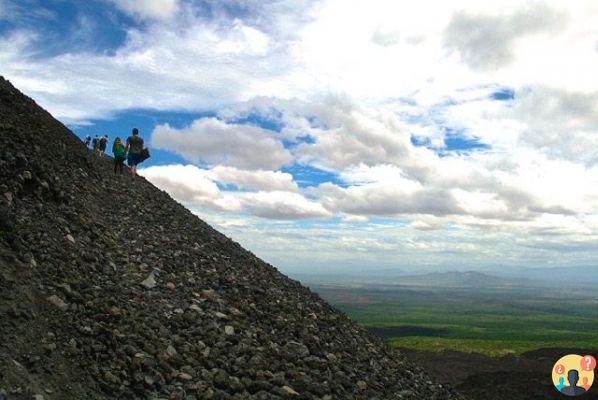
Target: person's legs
133, 160
115, 164
134, 168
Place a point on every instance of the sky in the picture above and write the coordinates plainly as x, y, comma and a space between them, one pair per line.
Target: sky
341, 136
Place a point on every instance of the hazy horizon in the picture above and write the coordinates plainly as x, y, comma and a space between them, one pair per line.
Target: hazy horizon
332, 136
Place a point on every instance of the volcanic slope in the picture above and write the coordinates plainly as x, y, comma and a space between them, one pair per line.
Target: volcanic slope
111, 289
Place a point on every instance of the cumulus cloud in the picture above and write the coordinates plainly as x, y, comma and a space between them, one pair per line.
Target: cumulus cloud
255, 179
350, 136
486, 42
283, 205
155, 9
382, 199
188, 184
382, 101
497, 184
198, 188
561, 122
199, 66
384, 190
212, 141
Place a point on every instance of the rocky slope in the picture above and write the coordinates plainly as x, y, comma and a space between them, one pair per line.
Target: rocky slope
111, 289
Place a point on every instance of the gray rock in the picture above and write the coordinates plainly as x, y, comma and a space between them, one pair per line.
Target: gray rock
58, 302
149, 282
8, 197
296, 349
171, 351
289, 391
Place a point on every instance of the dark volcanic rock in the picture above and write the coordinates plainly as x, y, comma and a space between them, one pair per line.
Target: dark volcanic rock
110, 289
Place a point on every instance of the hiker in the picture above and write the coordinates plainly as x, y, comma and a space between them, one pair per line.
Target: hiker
87, 141
95, 143
103, 143
134, 149
118, 149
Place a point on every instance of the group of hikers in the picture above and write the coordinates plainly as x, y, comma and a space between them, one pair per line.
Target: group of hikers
132, 150
98, 143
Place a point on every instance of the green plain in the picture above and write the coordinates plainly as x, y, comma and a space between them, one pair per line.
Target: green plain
492, 321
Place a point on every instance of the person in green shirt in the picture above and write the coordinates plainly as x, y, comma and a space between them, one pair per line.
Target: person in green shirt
118, 149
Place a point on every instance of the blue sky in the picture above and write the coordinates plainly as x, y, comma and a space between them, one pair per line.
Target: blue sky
330, 136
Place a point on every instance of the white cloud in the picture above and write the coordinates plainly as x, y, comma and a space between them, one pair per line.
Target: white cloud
486, 41
186, 183
426, 223
559, 122
155, 9
282, 205
359, 80
197, 188
352, 136
389, 197
257, 180
199, 66
214, 142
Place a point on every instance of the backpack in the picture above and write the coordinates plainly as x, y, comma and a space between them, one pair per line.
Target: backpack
144, 155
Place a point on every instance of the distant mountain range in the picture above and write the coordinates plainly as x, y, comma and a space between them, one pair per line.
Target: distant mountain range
505, 277
460, 279
433, 279
582, 275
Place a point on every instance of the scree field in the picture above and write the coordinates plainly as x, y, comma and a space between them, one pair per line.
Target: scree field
490, 321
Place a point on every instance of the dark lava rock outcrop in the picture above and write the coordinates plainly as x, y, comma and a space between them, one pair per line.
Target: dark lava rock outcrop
111, 289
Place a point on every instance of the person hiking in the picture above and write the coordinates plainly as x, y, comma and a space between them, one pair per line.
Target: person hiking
87, 141
118, 149
103, 143
134, 149
95, 143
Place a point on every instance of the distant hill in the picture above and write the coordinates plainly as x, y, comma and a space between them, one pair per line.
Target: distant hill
586, 275
472, 279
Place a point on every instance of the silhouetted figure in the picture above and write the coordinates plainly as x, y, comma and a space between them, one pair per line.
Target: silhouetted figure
95, 143
103, 143
87, 141
573, 389
134, 148
585, 384
561, 384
